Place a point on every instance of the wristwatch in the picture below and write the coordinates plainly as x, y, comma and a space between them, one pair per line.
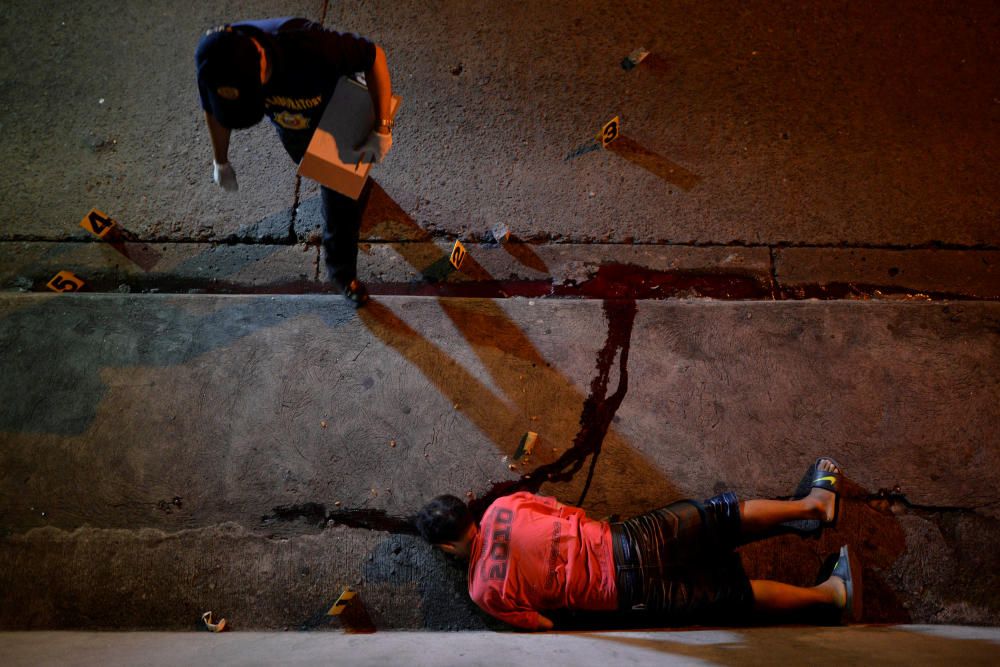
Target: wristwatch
387, 124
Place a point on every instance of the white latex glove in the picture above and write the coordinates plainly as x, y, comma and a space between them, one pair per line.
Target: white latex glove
225, 176
375, 146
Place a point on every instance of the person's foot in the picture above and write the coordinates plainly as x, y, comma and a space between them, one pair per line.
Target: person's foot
824, 500
356, 292
837, 588
844, 586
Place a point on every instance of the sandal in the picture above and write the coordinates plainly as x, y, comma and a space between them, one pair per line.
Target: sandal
818, 479
852, 583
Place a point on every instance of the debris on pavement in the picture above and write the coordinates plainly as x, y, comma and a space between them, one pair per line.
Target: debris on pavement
527, 444
500, 233
221, 626
634, 58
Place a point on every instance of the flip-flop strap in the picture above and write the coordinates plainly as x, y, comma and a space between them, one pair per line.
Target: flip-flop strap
827, 480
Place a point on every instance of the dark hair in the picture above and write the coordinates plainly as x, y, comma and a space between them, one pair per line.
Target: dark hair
228, 66
444, 519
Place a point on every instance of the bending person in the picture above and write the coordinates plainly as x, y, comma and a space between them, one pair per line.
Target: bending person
288, 69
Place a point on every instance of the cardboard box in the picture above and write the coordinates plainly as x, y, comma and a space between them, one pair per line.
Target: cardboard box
347, 120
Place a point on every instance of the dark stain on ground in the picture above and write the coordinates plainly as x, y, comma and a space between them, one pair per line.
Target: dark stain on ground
596, 417
316, 514
611, 281
372, 519
626, 281
598, 412
167, 506
313, 514
144, 255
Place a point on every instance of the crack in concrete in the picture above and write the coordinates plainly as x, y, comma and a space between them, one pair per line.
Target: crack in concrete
487, 239
773, 274
291, 238
615, 281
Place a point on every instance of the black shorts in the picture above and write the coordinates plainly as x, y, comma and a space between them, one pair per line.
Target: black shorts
678, 563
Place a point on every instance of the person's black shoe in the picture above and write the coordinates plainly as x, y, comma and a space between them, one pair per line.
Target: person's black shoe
356, 292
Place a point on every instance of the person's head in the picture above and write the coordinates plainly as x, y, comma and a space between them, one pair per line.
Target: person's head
231, 71
446, 522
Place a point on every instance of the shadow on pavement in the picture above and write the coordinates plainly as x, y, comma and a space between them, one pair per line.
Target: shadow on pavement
656, 164
535, 396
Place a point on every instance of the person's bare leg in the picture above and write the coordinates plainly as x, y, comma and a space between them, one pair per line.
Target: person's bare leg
759, 516
774, 596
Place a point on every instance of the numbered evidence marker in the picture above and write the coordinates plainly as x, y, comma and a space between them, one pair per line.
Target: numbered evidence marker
458, 254
64, 281
97, 223
609, 132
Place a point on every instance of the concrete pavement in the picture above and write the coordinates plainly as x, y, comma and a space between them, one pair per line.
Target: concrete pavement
165, 454
891, 645
772, 124
255, 454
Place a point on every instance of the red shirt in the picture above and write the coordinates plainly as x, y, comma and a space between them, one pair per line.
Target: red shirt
533, 553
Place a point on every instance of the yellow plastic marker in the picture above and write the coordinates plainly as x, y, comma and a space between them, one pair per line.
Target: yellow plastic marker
609, 131
97, 223
458, 254
64, 281
341, 603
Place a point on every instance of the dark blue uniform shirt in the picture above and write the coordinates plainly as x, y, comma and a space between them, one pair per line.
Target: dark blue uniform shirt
307, 60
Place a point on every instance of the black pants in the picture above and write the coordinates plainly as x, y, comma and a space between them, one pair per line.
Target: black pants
677, 563
341, 217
